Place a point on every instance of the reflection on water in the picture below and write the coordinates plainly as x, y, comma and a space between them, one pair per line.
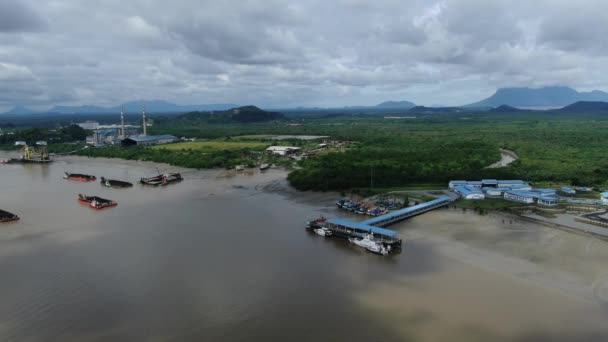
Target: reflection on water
217, 258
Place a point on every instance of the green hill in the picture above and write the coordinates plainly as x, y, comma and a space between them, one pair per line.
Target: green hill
246, 114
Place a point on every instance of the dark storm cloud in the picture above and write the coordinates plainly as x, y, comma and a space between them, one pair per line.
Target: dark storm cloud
15, 16
287, 52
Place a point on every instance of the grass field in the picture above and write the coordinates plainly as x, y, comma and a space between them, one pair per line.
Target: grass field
214, 145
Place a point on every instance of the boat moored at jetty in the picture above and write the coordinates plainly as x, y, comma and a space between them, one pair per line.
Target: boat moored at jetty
369, 243
323, 232
5, 217
316, 223
163, 179
79, 177
112, 183
96, 202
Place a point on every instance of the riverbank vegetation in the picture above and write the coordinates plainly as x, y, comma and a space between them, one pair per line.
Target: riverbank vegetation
554, 147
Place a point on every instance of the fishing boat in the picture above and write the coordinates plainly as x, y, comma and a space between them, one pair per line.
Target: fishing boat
96, 202
112, 183
323, 231
5, 217
79, 177
370, 244
316, 223
163, 179
264, 167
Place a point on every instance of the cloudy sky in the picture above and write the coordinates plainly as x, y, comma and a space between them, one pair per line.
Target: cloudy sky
300, 52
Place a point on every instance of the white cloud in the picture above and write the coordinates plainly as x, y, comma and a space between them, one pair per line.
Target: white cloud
275, 52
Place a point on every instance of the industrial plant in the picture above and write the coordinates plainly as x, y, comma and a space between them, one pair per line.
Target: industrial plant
124, 135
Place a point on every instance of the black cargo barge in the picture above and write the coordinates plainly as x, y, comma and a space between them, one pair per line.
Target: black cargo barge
5, 216
113, 183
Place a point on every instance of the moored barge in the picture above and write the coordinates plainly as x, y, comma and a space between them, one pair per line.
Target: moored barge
113, 183
79, 177
163, 179
96, 202
5, 217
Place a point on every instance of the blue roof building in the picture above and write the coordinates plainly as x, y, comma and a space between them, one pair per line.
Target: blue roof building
547, 200
567, 190
469, 192
604, 197
519, 196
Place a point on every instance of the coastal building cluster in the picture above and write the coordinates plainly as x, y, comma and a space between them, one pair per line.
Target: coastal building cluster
511, 190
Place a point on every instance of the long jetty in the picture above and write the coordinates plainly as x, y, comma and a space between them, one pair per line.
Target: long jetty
348, 228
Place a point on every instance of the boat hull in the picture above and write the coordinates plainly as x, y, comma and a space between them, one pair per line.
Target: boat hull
162, 180
79, 177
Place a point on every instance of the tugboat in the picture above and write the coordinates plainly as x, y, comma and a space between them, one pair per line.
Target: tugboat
5, 217
112, 183
96, 202
79, 177
163, 179
316, 223
370, 244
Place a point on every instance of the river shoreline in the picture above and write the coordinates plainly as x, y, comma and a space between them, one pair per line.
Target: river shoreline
227, 252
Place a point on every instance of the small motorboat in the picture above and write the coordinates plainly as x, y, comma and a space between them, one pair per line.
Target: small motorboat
239, 168
323, 231
163, 179
79, 177
6, 217
264, 167
96, 202
112, 183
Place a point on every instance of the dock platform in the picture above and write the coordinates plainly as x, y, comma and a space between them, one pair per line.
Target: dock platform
347, 228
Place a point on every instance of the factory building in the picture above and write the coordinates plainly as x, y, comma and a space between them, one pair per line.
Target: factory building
140, 140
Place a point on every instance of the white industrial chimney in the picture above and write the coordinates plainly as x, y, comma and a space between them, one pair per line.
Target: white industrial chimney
143, 111
122, 122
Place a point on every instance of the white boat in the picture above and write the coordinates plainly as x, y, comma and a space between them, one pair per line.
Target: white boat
370, 244
264, 167
323, 231
239, 168
378, 248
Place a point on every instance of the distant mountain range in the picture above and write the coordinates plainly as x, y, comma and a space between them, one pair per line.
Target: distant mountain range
539, 97
153, 106
503, 100
586, 107
396, 105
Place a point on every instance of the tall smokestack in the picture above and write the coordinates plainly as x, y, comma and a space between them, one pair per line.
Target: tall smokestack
143, 112
122, 122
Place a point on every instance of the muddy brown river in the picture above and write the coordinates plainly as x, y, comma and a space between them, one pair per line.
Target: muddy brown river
224, 257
